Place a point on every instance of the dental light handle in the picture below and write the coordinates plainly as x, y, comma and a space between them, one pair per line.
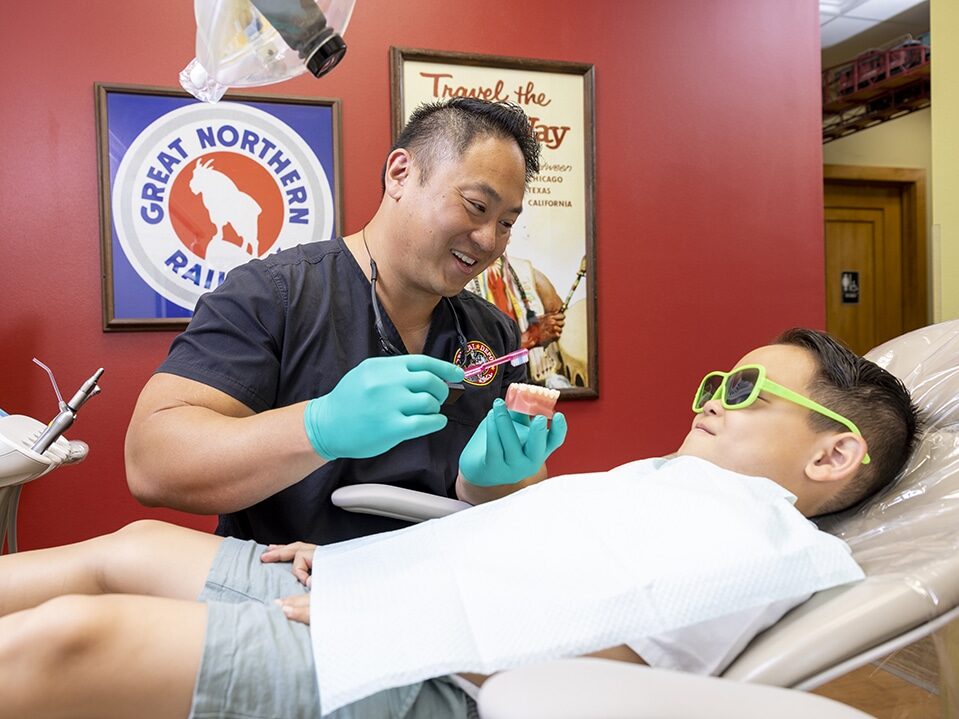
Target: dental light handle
68, 413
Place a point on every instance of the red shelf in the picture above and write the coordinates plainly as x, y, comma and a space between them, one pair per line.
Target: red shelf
876, 86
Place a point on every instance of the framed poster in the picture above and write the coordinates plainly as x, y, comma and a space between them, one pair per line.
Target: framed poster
550, 263
190, 190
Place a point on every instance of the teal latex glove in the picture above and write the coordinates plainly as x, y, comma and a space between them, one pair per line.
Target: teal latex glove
378, 404
508, 447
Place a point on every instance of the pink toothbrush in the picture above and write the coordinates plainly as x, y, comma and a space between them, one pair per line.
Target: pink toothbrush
514, 358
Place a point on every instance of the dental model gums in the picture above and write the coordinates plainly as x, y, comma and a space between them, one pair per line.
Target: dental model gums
532, 400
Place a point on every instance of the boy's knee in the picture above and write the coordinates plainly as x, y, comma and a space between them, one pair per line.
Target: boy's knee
60, 629
114, 556
141, 528
128, 544
43, 651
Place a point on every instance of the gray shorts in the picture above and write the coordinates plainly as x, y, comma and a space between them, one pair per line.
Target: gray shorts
259, 665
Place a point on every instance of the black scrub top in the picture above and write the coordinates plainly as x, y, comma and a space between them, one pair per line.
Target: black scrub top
285, 329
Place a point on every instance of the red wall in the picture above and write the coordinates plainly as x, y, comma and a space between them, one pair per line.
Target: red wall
708, 202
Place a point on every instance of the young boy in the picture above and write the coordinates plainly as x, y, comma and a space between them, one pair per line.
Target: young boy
112, 626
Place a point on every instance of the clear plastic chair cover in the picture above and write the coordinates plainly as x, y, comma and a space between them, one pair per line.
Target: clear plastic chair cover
911, 530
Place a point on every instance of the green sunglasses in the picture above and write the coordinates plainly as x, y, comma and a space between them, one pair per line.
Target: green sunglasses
741, 387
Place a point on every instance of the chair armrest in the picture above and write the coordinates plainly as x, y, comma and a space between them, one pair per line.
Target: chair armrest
589, 688
396, 502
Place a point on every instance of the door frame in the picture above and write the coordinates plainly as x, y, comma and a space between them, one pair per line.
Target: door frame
915, 270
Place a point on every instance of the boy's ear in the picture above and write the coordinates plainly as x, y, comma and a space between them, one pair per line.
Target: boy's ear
837, 457
398, 169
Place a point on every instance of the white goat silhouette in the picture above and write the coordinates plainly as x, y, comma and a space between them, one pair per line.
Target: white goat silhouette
226, 205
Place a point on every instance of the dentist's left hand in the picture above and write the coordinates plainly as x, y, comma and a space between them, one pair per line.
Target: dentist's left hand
509, 447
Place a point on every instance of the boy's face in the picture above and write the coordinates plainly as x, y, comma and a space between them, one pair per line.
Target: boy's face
770, 438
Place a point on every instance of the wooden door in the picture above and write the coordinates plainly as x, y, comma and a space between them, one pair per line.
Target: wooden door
864, 261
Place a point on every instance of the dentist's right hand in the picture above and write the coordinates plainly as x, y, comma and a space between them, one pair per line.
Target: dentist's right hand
378, 404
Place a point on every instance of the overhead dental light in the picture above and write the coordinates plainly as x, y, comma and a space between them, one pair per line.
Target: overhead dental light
245, 43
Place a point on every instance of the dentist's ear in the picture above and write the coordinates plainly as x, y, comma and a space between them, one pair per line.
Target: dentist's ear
836, 457
398, 167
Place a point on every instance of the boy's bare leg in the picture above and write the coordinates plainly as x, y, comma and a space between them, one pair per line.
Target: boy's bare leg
101, 657
146, 557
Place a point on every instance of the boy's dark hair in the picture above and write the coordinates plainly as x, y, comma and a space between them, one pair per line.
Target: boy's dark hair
875, 401
439, 128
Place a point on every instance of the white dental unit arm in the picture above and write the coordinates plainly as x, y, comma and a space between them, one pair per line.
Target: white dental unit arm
29, 448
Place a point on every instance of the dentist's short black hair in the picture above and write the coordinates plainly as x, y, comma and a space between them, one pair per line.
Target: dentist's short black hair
453, 125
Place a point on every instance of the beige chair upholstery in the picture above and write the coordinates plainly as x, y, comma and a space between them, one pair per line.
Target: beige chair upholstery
594, 688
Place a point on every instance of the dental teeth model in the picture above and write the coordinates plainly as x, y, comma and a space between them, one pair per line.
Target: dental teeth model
532, 400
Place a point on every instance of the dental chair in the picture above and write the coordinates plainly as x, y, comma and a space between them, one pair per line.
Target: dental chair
906, 539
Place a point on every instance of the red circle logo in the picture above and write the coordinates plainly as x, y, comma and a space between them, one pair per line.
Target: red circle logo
226, 197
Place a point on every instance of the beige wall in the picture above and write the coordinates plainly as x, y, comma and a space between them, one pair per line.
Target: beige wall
945, 144
903, 142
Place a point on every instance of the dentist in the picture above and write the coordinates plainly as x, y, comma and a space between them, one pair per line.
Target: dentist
330, 363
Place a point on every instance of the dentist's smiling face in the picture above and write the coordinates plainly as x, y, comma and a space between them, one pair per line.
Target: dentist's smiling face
458, 221
770, 438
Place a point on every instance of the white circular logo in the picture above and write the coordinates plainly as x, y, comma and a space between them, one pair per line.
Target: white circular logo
206, 188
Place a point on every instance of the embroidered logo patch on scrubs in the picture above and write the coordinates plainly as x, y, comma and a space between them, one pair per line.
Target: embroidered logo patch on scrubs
201, 189
477, 353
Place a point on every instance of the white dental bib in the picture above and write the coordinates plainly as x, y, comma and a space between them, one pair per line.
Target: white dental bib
569, 566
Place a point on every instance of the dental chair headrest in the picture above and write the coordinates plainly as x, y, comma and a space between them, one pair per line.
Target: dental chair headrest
927, 361
916, 520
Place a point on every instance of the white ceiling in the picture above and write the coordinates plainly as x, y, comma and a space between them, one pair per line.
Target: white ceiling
842, 19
